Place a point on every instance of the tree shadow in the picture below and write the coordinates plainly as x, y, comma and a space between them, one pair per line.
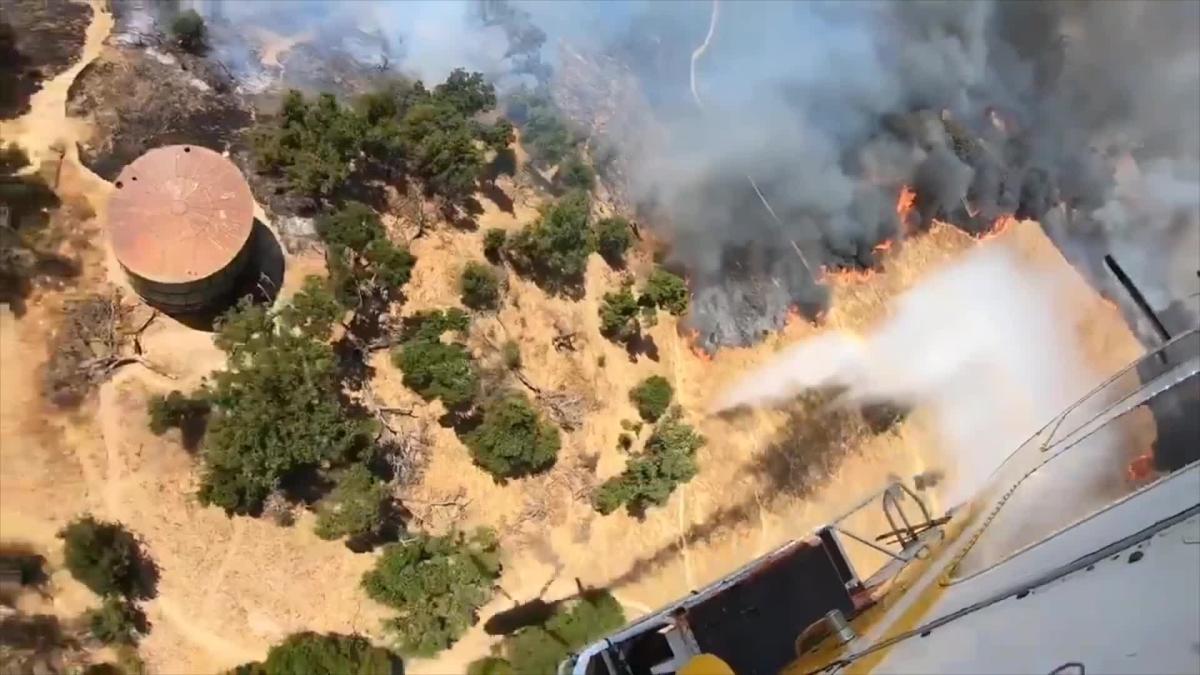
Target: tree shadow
146, 574
305, 485
532, 613
21, 561
504, 164
497, 196
642, 345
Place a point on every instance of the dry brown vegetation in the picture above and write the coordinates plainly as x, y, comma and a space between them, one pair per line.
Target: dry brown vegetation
229, 588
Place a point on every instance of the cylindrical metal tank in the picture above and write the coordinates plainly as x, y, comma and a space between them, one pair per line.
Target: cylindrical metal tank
180, 221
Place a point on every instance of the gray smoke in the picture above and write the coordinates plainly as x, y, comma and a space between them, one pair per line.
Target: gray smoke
1085, 115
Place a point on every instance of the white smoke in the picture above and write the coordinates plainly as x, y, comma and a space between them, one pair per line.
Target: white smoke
982, 344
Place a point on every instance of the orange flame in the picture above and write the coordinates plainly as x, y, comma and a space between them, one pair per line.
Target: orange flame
905, 204
693, 340
1141, 468
999, 226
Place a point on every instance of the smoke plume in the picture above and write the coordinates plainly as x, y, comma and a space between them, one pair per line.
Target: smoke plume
1085, 115
981, 344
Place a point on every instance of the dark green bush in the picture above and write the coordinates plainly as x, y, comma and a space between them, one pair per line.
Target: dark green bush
513, 439
619, 315
328, 654
354, 507
115, 621
494, 241
651, 477
433, 368
175, 410
652, 397
575, 174
276, 407
189, 31
362, 260
480, 286
666, 291
437, 584
102, 556
613, 239
553, 250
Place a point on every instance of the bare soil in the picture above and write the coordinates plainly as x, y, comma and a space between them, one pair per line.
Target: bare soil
229, 588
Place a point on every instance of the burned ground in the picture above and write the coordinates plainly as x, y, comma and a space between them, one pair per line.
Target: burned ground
138, 99
38, 40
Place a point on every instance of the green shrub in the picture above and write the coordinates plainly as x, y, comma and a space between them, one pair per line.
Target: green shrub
490, 665
513, 440
362, 260
437, 584
494, 241
619, 316
175, 410
189, 31
354, 507
613, 239
575, 174
553, 250
650, 478
666, 291
652, 397
543, 131
433, 368
276, 408
115, 621
328, 654
480, 286
102, 556
511, 353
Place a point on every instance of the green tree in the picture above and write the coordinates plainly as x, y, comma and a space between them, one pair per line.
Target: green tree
115, 621
433, 368
490, 665
175, 410
480, 286
323, 654
650, 478
189, 31
102, 556
276, 408
468, 93
437, 584
513, 440
494, 241
652, 396
354, 507
363, 263
554, 249
619, 315
312, 144
543, 131
613, 239
575, 174
666, 291
313, 310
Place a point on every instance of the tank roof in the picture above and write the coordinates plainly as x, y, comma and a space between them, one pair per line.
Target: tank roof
180, 213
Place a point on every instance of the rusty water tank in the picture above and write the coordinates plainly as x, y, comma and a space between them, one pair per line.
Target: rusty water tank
180, 221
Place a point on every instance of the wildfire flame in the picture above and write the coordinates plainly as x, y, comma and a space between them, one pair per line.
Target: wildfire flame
1000, 225
1141, 468
699, 352
905, 204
